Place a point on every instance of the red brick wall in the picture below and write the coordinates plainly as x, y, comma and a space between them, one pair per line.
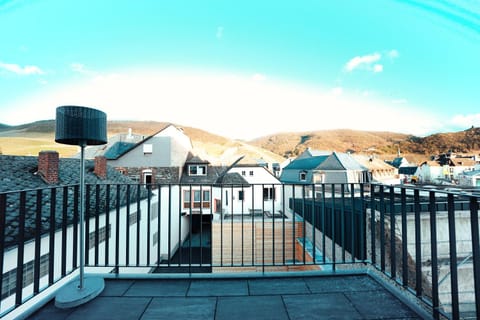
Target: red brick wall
48, 166
100, 167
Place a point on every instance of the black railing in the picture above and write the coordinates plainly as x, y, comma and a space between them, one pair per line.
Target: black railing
426, 241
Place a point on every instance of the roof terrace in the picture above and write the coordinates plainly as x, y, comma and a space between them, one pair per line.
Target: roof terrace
336, 251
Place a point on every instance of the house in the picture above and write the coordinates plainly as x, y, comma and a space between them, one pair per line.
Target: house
399, 162
302, 171
445, 169
309, 152
158, 158
408, 174
263, 190
469, 178
379, 171
51, 183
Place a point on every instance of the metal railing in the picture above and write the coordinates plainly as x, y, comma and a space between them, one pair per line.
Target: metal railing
424, 240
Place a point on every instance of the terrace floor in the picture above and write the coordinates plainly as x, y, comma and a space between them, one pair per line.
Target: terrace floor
303, 297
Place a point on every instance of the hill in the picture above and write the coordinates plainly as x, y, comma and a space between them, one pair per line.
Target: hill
385, 145
29, 139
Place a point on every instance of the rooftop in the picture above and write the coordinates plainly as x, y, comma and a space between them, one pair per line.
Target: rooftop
303, 297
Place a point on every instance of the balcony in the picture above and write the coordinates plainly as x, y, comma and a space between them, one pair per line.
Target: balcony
295, 251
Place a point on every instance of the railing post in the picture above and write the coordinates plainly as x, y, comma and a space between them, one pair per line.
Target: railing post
453, 257
403, 201
475, 251
418, 244
382, 228
20, 249
434, 255
3, 213
393, 251
372, 225
38, 229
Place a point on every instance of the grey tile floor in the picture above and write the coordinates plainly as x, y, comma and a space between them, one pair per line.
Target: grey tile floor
345, 297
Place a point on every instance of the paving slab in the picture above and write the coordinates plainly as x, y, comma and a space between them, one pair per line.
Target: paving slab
380, 304
218, 287
320, 306
118, 308
116, 287
181, 308
158, 288
277, 286
251, 307
342, 284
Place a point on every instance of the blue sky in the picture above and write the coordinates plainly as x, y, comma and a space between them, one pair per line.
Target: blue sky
245, 69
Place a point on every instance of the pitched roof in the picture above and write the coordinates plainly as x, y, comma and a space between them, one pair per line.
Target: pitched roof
19, 173
306, 163
341, 161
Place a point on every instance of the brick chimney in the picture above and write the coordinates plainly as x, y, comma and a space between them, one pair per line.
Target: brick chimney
100, 167
48, 166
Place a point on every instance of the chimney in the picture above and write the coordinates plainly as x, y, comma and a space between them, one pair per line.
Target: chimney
100, 167
48, 166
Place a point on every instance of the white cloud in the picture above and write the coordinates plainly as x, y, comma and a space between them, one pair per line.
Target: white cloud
230, 105
337, 91
259, 77
369, 62
80, 68
362, 61
393, 54
466, 121
399, 101
17, 69
377, 68
219, 33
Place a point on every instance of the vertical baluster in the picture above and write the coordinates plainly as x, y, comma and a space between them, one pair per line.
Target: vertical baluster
475, 251
434, 255
453, 256
20, 249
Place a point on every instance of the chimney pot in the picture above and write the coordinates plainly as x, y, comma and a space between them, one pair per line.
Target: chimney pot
100, 167
48, 166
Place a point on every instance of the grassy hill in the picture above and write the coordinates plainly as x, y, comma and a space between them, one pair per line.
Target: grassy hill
29, 139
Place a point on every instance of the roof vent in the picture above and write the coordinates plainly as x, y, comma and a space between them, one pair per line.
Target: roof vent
80, 126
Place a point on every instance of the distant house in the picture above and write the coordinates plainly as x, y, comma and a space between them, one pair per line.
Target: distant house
469, 178
303, 170
379, 170
308, 153
399, 162
444, 169
408, 174
158, 158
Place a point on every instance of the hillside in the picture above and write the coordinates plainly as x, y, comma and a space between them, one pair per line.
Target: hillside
383, 144
29, 139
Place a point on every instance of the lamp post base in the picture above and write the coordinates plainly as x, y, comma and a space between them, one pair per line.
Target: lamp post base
71, 295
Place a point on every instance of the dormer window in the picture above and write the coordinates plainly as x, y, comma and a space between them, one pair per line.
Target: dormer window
303, 176
197, 170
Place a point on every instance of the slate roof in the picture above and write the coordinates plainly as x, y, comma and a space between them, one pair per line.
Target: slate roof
306, 163
19, 173
341, 161
212, 177
127, 141
410, 170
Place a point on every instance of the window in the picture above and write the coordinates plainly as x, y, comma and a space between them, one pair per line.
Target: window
251, 173
268, 193
303, 176
240, 195
155, 238
243, 173
147, 148
226, 197
147, 177
201, 199
197, 170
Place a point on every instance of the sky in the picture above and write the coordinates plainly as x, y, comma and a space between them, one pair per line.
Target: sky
246, 69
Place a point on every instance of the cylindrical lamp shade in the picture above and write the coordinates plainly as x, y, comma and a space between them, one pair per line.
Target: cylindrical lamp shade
80, 126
